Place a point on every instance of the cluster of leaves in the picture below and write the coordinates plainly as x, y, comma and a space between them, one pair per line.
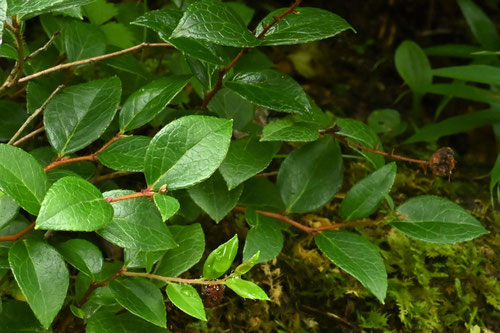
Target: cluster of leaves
203, 154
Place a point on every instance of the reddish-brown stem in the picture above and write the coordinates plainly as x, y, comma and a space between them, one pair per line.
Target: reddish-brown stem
224, 70
90, 157
142, 194
18, 235
311, 230
372, 150
91, 60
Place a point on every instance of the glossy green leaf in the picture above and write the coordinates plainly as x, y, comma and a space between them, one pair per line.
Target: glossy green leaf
82, 254
187, 151
126, 154
31, 9
191, 240
437, 220
164, 22
310, 176
74, 204
136, 223
214, 22
246, 289
456, 124
287, 130
186, 298
13, 116
220, 259
8, 209
135, 258
228, 104
167, 205
22, 178
306, 24
100, 11
79, 114
483, 29
109, 322
260, 193
146, 103
358, 132
413, 66
461, 90
246, 158
83, 41
271, 89
42, 276
357, 256
265, 237
214, 198
141, 297
365, 196
247, 264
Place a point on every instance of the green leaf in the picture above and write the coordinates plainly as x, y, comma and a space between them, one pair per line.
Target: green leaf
413, 66
136, 224
453, 50
454, 125
271, 89
83, 41
191, 240
187, 151
16, 316
214, 198
109, 322
83, 255
246, 289
220, 259
42, 275
126, 154
260, 193
167, 205
3, 17
79, 114
475, 73
287, 130
437, 220
310, 176
146, 103
483, 29
118, 34
306, 24
165, 21
358, 132
214, 22
247, 264
31, 9
244, 12
186, 298
246, 158
74, 204
265, 237
8, 209
135, 258
13, 116
365, 196
100, 11
357, 256
386, 121
22, 178
228, 104
461, 90
495, 174
141, 297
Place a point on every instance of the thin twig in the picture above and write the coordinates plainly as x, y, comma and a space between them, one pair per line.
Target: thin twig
29, 135
311, 230
111, 175
174, 279
35, 114
224, 70
91, 60
43, 48
17, 70
90, 157
18, 235
142, 194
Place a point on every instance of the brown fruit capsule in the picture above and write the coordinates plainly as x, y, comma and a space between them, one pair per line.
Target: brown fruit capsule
212, 294
442, 162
